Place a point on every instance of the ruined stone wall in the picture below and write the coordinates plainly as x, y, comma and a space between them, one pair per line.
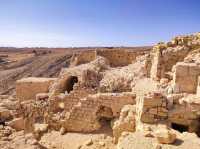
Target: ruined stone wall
154, 108
83, 97
165, 55
79, 112
83, 57
27, 88
185, 112
88, 76
177, 111
186, 77
120, 57
67, 101
164, 59
86, 115
116, 57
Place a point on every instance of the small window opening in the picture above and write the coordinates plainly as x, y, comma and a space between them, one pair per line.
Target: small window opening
179, 127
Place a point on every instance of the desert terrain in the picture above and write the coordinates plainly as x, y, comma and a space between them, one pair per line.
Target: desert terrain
101, 98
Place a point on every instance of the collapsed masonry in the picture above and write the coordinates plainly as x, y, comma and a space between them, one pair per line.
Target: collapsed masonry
162, 85
83, 97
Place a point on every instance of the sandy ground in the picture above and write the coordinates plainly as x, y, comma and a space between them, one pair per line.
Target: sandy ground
54, 140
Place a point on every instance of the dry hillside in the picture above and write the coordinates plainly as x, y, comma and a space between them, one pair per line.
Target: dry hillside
18, 64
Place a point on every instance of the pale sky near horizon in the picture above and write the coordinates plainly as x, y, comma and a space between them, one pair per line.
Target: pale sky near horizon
65, 23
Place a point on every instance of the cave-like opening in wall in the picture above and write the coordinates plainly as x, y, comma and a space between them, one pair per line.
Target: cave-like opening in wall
2, 122
179, 127
69, 85
105, 115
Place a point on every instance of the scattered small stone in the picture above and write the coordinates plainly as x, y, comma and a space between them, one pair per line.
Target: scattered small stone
62, 131
102, 143
79, 147
53, 145
88, 142
165, 136
32, 141
157, 146
148, 134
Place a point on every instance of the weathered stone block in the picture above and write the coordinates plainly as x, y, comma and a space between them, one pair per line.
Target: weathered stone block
27, 88
5, 114
152, 102
165, 136
185, 77
148, 118
126, 121
194, 69
181, 69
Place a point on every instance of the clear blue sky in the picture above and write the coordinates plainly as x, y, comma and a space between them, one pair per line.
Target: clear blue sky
62, 23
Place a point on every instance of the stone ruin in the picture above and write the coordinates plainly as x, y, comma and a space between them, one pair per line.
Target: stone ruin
129, 91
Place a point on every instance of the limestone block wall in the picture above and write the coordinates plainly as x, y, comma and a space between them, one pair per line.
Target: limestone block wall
27, 88
87, 76
165, 55
177, 111
154, 108
86, 115
116, 57
164, 58
83, 57
69, 100
79, 111
186, 77
120, 57
185, 112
